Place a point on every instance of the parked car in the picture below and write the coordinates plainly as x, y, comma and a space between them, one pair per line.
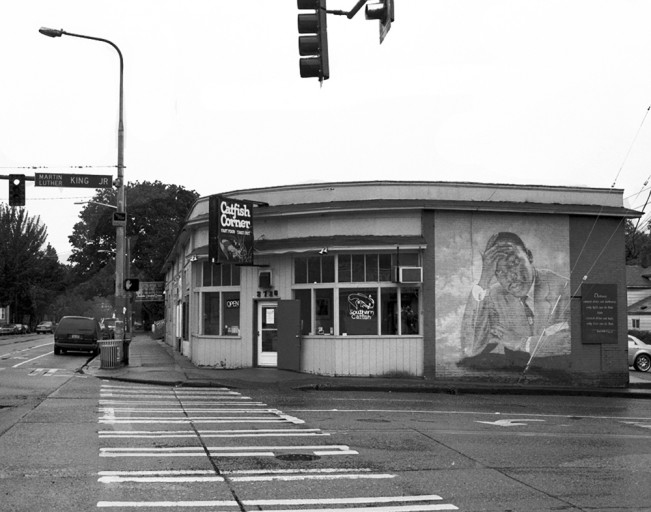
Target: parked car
108, 327
77, 333
6, 329
19, 328
639, 354
45, 327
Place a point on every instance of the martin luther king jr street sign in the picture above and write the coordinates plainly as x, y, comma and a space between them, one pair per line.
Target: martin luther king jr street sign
73, 180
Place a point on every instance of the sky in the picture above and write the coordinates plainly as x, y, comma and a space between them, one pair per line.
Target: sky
533, 92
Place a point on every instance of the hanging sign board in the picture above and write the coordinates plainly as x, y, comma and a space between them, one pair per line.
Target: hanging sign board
230, 229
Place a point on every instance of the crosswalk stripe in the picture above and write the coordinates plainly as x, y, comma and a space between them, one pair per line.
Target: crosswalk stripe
372, 501
237, 476
225, 451
157, 434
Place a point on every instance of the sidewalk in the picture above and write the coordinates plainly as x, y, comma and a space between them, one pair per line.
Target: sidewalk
153, 362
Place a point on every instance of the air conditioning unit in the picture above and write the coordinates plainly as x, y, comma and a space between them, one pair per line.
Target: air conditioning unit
410, 274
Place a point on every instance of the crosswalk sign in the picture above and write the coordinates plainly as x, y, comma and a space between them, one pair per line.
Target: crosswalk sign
131, 285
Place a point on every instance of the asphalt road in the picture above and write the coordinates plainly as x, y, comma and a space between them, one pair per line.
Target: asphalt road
79, 443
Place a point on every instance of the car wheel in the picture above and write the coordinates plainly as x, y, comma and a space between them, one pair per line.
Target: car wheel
642, 363
57, 351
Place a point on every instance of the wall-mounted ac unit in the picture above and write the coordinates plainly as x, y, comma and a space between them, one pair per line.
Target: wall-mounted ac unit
410, 274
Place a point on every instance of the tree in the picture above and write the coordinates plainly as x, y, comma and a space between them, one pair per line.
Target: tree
30, 277
156, 212
637, 244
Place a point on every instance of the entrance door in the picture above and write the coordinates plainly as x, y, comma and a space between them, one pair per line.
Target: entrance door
289, 335
267, 334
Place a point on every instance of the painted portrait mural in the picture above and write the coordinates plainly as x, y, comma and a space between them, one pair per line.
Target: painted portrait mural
502, 293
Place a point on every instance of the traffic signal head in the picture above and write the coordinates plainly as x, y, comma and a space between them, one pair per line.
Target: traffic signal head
131, 285
384, 12
16, 190
313, 46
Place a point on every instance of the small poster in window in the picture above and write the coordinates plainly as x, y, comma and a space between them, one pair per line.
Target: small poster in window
361, 306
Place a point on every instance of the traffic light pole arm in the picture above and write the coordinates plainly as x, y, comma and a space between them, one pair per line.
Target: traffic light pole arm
27, 178
352, 12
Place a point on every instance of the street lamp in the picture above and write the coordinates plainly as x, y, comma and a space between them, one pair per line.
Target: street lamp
120, 226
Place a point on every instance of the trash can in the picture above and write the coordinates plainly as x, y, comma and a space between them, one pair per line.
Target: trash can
110, 353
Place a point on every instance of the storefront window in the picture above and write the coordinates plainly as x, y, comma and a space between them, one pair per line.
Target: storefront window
389, 311
225, 274
409, 311
211, 313
358, 311
221, 313
305, 296
383, 308
323, 311
385, 267
314, 269
371, 268
231, 314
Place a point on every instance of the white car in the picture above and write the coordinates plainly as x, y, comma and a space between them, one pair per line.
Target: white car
639, 354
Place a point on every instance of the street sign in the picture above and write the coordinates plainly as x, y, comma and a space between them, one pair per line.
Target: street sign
151, 291
119, 219
73, 180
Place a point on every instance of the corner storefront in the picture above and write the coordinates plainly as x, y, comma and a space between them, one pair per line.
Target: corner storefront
425, 279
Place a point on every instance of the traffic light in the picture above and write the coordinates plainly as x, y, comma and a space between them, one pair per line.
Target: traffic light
384, 12
313, 47
16, 190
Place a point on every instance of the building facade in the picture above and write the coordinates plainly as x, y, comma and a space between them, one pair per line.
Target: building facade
495, 283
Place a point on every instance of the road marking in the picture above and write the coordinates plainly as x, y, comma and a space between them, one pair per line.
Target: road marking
186, 410
188, 398
187, 421
142, 403
638, 424
30, 360
198, 476
50, 372
4, 356
507, 423
225, 451
427, 504
477, 413
156, 434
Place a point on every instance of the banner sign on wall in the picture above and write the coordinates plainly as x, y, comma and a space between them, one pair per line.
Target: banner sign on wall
230, 230
599, 313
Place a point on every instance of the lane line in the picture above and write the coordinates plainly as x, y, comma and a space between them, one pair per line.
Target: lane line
30, 360
476, 413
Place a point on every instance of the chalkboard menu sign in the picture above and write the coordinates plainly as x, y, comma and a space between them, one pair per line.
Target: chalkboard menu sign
599, 313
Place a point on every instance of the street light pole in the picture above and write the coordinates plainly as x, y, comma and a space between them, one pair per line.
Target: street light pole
120, 229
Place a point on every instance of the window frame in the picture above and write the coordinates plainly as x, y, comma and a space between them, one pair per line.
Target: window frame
225, 293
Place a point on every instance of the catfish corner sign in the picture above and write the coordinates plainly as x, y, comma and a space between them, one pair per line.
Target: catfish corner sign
131, 285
